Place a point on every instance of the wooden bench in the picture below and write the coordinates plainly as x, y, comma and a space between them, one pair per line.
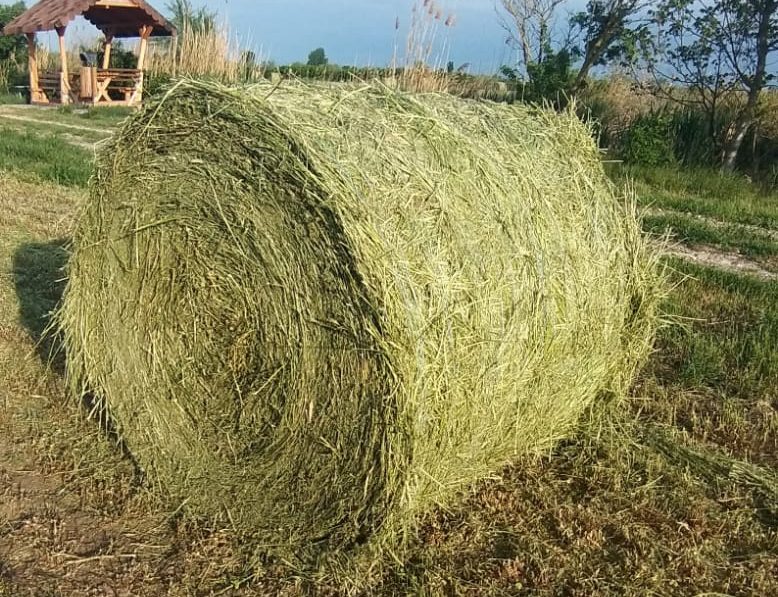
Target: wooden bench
49, 88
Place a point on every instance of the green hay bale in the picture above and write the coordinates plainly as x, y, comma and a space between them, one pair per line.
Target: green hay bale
314, 313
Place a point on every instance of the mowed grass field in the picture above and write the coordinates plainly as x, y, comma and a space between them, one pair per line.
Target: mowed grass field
674, 492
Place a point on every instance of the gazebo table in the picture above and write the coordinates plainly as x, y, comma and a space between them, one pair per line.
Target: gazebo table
112, 86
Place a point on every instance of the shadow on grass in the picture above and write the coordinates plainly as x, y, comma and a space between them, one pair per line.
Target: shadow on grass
39, 278
5, 580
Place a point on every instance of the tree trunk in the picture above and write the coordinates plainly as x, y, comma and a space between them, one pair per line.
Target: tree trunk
583, 72
525, 49
747, 116
734, 141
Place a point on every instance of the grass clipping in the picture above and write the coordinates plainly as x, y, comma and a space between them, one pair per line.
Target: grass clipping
314, 313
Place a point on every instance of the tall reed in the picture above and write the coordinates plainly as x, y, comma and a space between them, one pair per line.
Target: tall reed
426, 50
212, 53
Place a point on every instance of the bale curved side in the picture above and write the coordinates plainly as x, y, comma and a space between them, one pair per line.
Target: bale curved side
316, 314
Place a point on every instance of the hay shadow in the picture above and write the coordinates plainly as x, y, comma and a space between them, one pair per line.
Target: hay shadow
39, 280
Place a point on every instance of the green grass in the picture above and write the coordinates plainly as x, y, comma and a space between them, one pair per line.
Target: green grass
111, 115
705, 192
760, 244
83, 137
11, 99
719, 365
728, 340
700, 182
47, 158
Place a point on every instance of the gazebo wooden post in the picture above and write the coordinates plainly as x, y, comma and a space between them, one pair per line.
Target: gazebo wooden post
64, 85
175, 54
107, 52
145, 33
32, 66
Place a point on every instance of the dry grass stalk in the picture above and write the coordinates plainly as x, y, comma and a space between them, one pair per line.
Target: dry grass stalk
212, 53
426, 49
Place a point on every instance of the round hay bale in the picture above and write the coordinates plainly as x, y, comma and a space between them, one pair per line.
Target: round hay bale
314, 313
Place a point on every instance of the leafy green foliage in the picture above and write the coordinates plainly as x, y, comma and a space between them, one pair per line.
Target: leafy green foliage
123, 57
649, 141
317, 58
714, 55
550, 80
187, 18
715, 43
611, 31
11, 46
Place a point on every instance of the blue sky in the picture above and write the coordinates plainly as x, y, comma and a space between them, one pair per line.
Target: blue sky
363, 31
358, 32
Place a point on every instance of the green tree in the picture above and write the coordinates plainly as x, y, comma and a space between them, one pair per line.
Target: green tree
543, 69
529, 24
610, 30
607, 30
187, 18
12, 47
317, 58
549, 80
709, 53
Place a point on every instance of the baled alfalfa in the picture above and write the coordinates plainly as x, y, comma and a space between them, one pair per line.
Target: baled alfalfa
314, 313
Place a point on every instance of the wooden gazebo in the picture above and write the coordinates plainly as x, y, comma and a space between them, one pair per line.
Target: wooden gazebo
95, 85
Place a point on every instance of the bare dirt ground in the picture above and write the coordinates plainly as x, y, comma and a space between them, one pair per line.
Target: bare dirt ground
69, 529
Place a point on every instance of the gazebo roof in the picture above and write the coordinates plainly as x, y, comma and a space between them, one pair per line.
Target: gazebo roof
120, 18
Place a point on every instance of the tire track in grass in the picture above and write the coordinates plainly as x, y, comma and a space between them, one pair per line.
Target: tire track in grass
718, 224
5, 115
712, 257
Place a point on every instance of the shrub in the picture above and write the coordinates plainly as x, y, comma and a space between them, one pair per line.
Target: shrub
649, 141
